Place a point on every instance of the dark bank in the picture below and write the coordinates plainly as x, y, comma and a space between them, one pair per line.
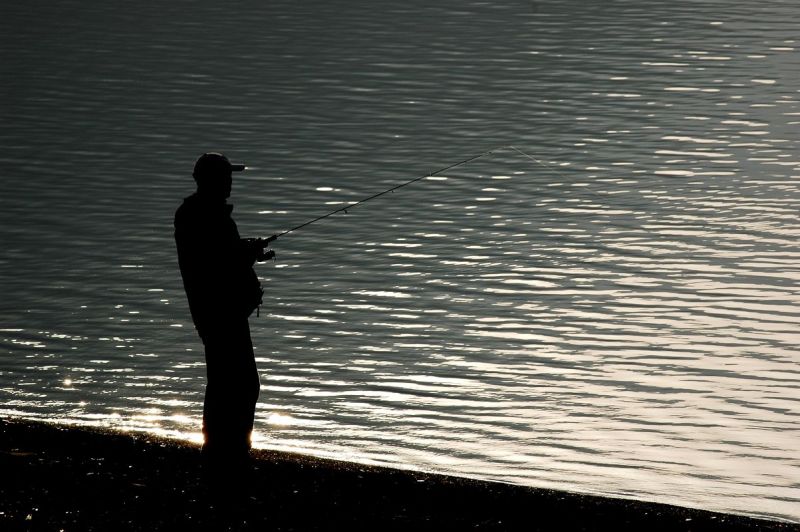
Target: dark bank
66, 478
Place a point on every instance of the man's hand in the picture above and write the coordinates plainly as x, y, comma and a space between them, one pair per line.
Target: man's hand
257, 248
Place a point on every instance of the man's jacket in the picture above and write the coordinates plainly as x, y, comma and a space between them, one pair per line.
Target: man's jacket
216, 265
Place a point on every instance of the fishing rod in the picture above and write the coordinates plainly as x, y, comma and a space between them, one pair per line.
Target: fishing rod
387, 191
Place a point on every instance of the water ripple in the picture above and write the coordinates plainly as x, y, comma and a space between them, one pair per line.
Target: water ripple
615, 315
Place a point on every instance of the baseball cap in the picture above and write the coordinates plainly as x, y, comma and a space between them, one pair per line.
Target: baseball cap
212, 163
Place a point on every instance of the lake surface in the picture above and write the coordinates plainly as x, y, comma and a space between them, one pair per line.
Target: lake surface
614, 312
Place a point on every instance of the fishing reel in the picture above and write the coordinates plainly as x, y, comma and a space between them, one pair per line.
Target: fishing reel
260, 247
265, 255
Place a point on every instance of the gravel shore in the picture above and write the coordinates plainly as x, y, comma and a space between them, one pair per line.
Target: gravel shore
73, 479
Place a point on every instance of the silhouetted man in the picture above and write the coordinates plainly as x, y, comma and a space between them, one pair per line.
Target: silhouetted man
223, 290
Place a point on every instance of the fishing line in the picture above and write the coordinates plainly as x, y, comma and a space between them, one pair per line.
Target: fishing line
392, 189
534, 159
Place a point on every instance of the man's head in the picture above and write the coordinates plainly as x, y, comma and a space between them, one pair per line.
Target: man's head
213, 173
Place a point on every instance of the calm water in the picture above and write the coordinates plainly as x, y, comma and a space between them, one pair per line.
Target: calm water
621, 319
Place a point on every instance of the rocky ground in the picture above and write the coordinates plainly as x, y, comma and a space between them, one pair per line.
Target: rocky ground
56, 478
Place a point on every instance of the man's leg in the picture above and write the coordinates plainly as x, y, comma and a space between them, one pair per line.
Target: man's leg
232, 390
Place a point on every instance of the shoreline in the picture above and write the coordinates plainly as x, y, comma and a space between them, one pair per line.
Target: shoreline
58, 477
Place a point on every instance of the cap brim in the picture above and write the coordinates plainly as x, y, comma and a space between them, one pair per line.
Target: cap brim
237, 167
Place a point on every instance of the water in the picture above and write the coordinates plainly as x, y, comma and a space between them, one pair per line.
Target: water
621, 319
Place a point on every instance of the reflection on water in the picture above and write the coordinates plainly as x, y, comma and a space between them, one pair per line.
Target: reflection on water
617, 317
